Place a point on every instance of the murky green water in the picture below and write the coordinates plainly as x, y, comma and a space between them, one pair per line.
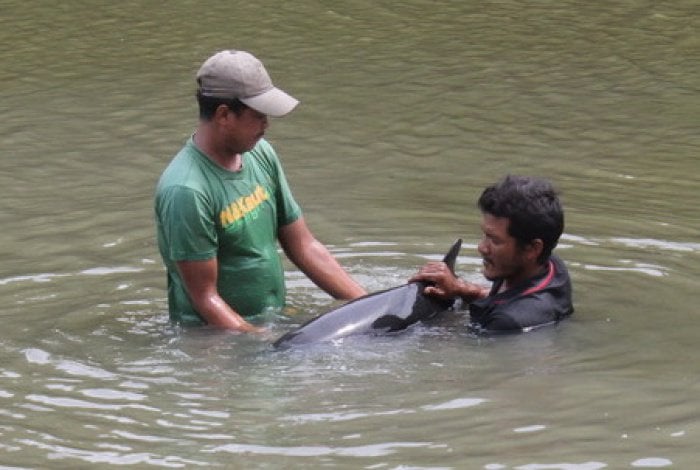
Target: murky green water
408, 111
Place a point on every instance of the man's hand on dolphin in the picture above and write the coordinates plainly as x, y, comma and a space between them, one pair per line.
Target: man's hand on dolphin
444, 284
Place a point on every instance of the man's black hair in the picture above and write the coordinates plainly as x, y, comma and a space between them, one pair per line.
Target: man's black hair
532, 207
209, 104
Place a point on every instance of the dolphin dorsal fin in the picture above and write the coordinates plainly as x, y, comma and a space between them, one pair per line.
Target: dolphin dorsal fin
451, 255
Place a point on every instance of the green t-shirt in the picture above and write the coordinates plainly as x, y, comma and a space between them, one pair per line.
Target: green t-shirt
204, 211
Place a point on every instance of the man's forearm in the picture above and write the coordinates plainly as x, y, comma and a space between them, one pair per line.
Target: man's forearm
469, 291
199, 278
218, 313
325, 271
319, 265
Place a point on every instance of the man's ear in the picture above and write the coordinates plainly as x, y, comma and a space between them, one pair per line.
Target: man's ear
221, 112
533, 250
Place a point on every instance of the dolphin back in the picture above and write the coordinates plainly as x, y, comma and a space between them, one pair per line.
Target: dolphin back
384, 311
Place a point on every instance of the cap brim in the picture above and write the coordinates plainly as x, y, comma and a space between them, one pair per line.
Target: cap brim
273, 102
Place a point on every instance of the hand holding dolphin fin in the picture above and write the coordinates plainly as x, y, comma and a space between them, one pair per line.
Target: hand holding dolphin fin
442, 282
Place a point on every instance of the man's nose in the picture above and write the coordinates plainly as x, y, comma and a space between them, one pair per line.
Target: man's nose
482, 247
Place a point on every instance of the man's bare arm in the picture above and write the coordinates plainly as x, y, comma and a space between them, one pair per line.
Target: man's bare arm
314, 259
200, 281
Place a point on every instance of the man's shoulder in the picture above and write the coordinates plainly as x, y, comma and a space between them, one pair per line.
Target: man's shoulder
559, 264
518, 314
184, 170
264, 146
264, 157
264, 152
560, 284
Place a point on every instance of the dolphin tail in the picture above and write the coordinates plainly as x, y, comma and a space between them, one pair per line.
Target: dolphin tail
451, 255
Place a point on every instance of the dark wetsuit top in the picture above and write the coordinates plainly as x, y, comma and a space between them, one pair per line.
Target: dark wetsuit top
542, 300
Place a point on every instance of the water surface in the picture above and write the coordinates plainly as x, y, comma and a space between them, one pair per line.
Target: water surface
407, 112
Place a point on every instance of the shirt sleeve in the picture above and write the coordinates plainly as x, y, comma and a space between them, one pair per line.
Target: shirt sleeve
516, 315
287, 208
188, 225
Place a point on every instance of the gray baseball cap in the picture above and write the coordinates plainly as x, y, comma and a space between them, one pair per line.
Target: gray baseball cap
239, 74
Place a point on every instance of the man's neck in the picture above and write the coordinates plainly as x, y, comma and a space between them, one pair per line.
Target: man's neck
525, 274
203, 140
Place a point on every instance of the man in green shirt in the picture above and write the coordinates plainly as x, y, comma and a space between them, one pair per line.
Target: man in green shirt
223, 203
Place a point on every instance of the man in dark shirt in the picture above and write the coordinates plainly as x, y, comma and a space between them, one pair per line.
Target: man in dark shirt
522, 220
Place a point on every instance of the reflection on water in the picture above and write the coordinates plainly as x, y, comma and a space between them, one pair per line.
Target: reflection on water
407, 112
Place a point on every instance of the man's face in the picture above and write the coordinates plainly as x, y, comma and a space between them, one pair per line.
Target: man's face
502, 257
246, 129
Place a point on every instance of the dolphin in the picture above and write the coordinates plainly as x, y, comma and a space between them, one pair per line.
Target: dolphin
384, 311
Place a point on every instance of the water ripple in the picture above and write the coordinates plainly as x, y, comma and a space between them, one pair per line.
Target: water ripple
372, 450
39, 356
59, 452
63, 402
455, 404
48, 277
654, 462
